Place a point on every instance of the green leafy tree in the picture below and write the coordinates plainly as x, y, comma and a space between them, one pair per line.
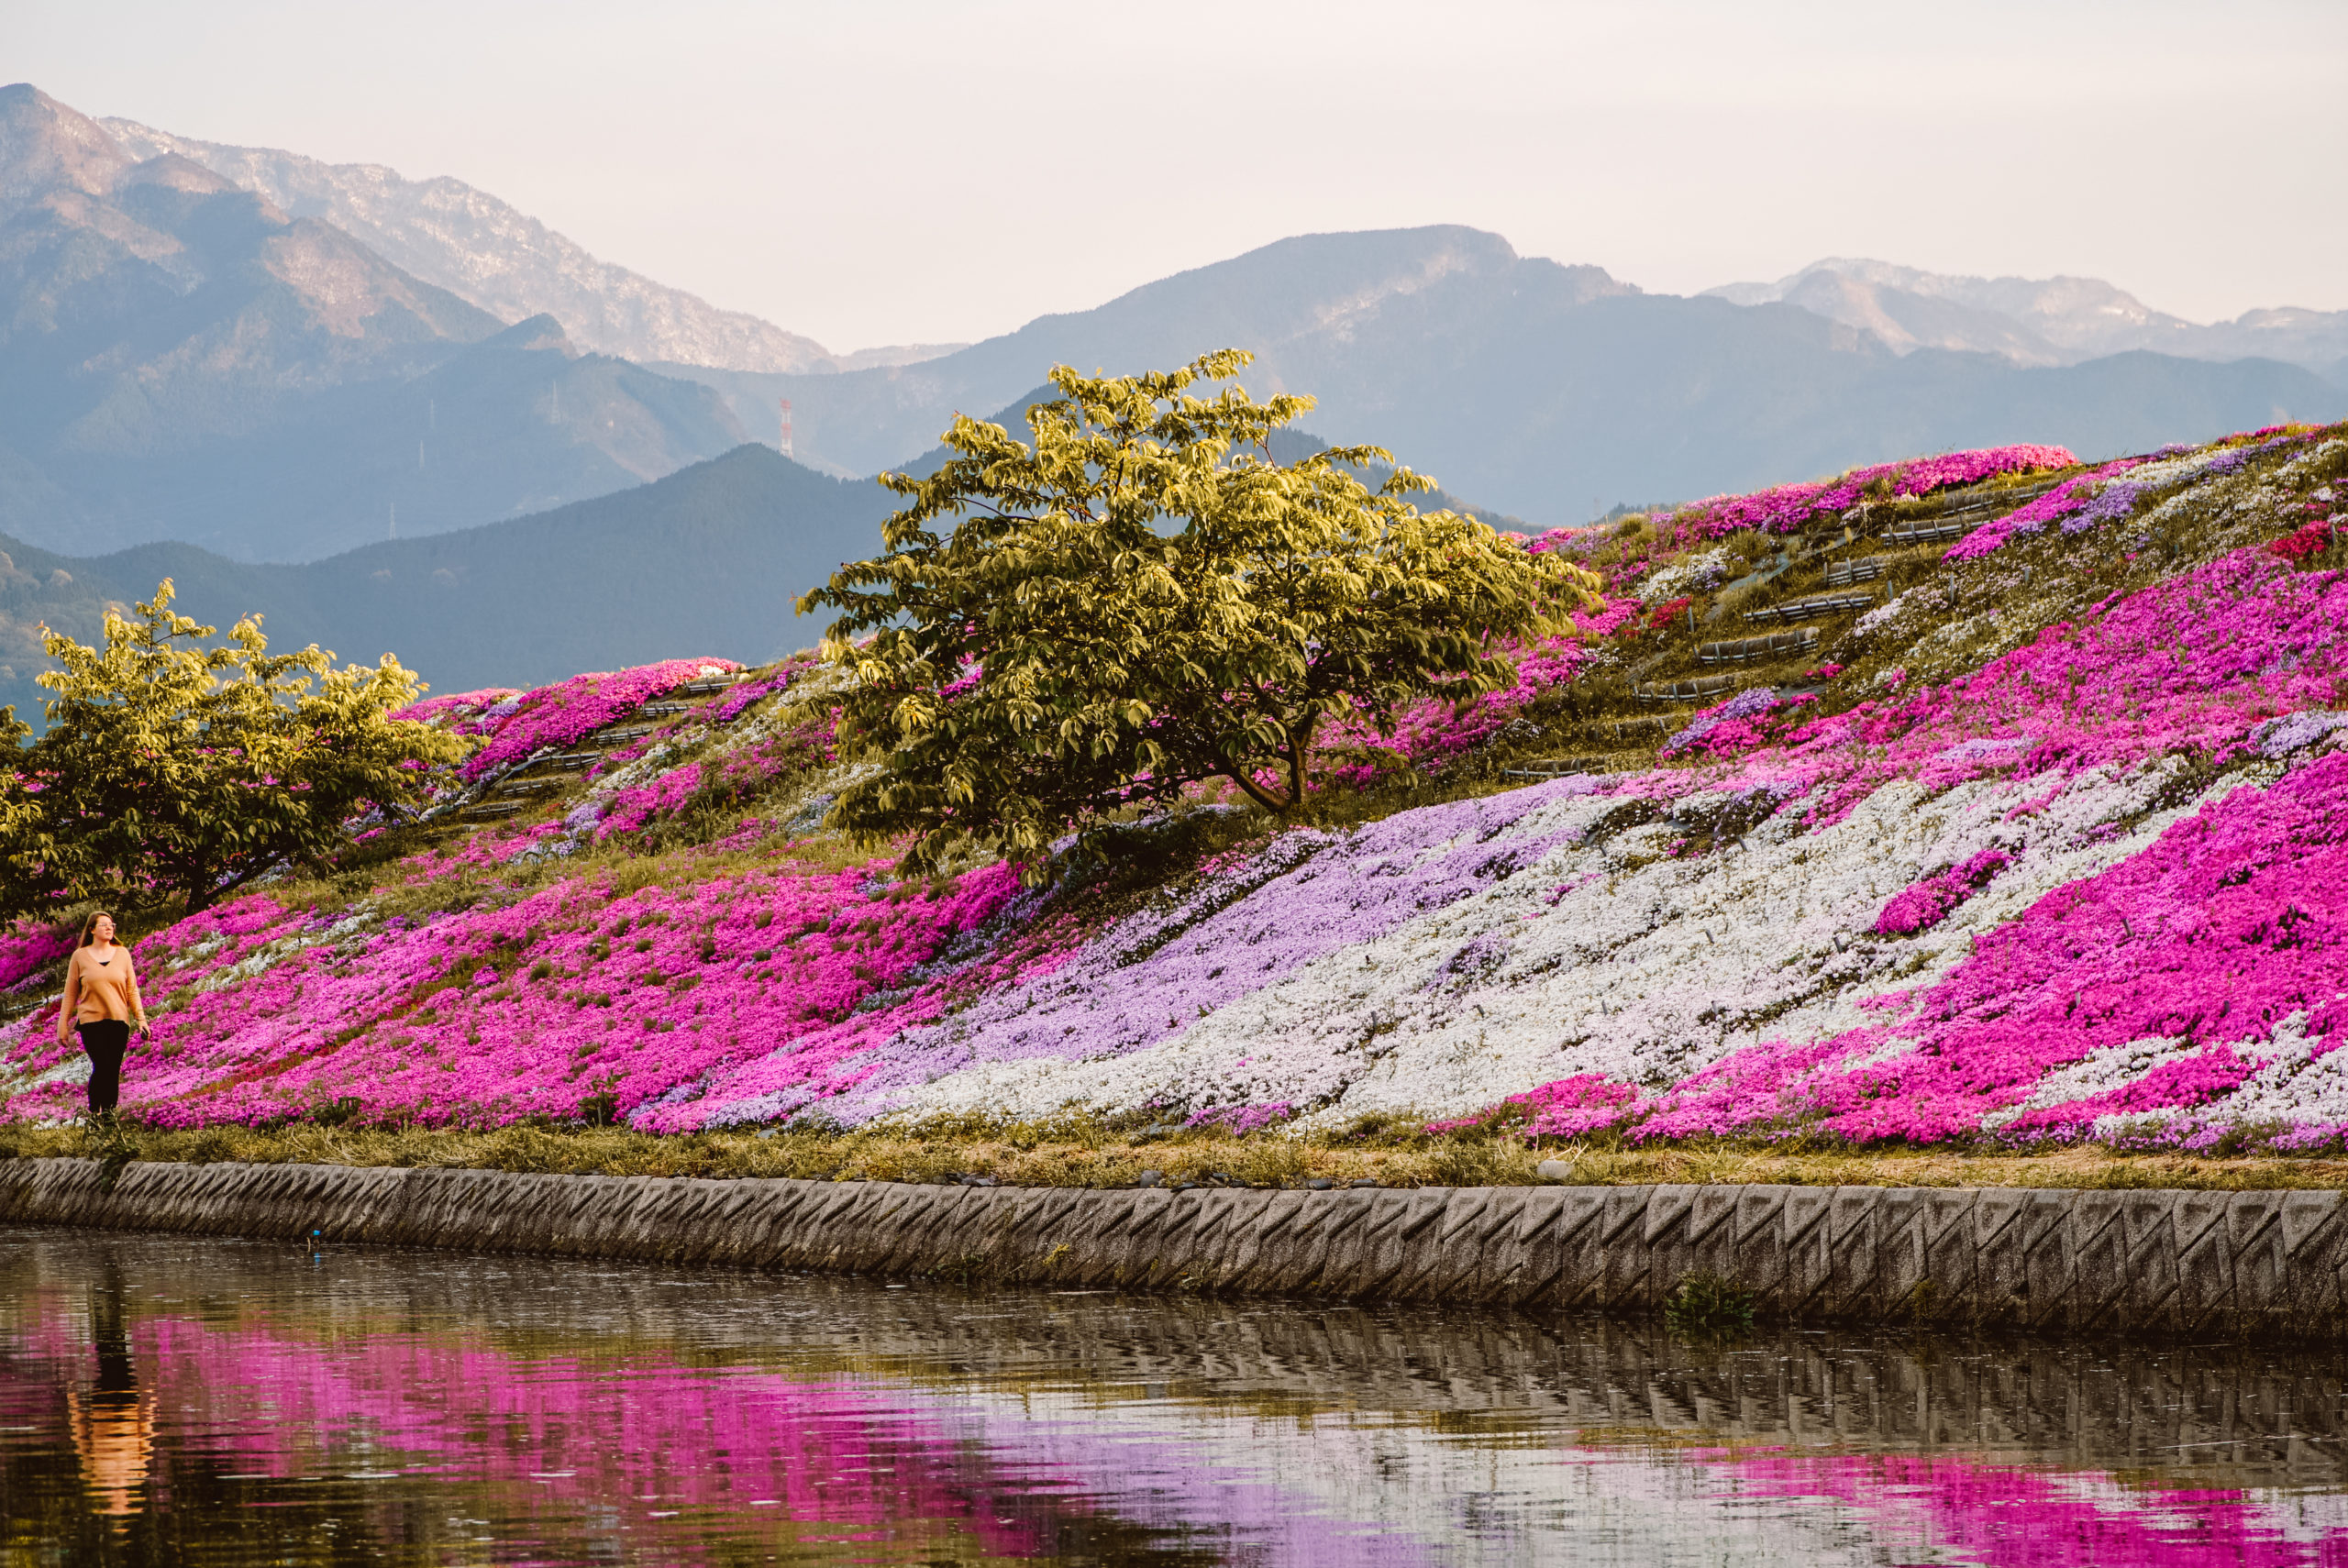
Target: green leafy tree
169, 768
1146, 599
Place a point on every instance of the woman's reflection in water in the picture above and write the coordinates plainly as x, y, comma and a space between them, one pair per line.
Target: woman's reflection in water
113, 1423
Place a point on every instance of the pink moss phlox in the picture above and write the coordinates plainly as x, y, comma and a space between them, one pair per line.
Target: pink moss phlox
750, 832
1567, 1107
1300, 897
2190, 663
30, 951
2138, 1001
2071, 496
2209, 1074
2298, 545
812, 744
1924, 903
1727, 728
2236, 934
1785, 507
569, 711
973, 672
457, 704
631, 809
639, 996
1433, 731
1609, 618
498, 848
1571, 1107
731, 706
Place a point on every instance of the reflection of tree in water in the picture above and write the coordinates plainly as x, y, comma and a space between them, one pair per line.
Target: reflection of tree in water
113, 1421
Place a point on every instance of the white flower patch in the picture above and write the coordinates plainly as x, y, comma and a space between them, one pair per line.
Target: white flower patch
1949, 643
1885, 614
2103, 1070
202, 950
1154, 1074
32, 1034
2314, 457
1609, 958
1711, 956
2179, 469
1685, 577
2293, 1084
267, 956
746, 731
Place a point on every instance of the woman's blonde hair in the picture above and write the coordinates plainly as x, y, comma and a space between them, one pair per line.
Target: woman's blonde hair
90, 925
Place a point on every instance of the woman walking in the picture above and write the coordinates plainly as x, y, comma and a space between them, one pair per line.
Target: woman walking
101, 1000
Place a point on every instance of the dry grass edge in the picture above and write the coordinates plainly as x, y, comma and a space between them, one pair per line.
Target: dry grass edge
1091, 1157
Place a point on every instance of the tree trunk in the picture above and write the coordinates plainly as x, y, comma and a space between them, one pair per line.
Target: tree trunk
1300, 747
208, 886
1257, 792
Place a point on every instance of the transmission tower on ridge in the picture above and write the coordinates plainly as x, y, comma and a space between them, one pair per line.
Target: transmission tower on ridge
785, 442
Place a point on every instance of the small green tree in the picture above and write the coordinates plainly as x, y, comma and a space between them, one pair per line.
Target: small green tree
173, 768
1146, 599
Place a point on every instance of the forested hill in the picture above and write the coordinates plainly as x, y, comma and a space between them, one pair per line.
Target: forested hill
711, 556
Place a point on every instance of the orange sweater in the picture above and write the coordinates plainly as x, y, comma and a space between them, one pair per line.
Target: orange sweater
107, 989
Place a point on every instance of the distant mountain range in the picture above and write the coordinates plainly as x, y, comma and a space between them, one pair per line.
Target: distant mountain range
277, 359
1549, 390
2040, 321
506, 262
181, 360
706, 560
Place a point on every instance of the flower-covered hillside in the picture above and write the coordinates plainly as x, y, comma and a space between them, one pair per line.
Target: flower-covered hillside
1993, 796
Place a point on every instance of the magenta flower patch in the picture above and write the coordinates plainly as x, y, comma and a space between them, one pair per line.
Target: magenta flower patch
1922, 905
569, 711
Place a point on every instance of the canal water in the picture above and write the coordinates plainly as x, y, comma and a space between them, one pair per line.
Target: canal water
183, 1400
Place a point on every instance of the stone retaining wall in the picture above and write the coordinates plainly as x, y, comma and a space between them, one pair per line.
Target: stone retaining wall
2149, 1261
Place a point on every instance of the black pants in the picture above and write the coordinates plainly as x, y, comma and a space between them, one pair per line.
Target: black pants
104, 1042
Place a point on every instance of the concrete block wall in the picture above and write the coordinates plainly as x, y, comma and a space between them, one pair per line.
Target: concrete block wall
2165, 1262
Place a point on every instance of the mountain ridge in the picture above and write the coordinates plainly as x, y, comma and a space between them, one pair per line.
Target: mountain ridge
1547, 391
181, 357
1288, 292
259, 382
709, 556
712, 556
2061, 320
506, 262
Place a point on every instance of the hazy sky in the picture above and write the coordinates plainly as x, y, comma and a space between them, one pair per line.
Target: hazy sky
894, 170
